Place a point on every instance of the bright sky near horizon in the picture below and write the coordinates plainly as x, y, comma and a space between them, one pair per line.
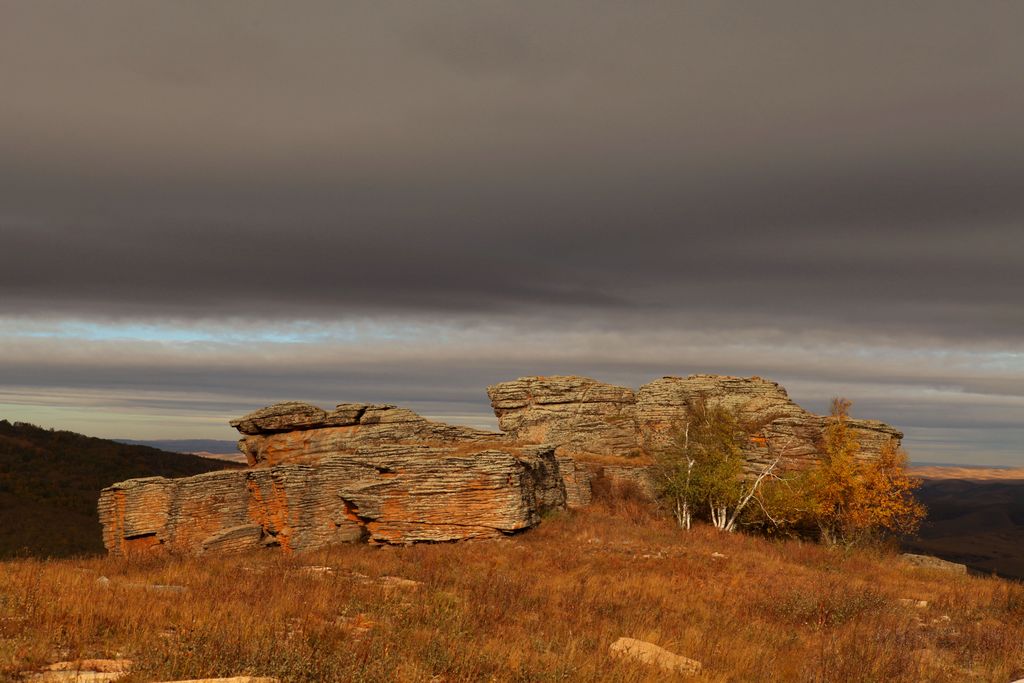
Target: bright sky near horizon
208, 207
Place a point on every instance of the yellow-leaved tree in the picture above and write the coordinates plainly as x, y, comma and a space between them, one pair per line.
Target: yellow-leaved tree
851, 499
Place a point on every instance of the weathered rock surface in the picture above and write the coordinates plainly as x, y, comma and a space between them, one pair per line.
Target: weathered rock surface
83, 671
576, 478
583, 416
286, 432
579, 414
652, 655
232, 679
386, 494
930, 562
383, 474
789, 429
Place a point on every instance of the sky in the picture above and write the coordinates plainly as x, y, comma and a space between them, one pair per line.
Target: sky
209, 207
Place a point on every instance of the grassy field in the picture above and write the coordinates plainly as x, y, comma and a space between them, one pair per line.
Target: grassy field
542, 606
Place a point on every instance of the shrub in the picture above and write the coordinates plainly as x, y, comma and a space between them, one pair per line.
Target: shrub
853, 500
703, 473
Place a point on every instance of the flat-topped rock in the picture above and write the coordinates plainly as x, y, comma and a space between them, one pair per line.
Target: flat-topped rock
82, 671
583, 416
281, 417
350, 426
364, 472
385, 494
788, 428
291, 416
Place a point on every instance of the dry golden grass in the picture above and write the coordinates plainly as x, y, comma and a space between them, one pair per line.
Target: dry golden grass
543, 606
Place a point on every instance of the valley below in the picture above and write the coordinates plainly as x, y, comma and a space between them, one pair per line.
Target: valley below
975, 517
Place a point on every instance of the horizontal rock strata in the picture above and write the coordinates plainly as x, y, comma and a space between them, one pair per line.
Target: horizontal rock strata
378, 473
586, 417
579, 414
789, 430
385, 494
286, 432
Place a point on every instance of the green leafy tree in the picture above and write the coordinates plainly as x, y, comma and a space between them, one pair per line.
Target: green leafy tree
705, 472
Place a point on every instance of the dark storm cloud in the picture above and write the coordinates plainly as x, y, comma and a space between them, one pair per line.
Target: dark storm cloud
827, 195
855, 166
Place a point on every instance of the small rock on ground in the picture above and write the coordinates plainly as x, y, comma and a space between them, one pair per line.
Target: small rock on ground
929, 562
153, 587
911, 602
83, 671
232, 679
651, 654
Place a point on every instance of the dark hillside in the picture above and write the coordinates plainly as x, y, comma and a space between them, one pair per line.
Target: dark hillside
979, 523
216, 446
50, 481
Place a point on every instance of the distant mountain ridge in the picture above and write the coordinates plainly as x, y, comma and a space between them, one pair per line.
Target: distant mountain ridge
50, 482
212, 446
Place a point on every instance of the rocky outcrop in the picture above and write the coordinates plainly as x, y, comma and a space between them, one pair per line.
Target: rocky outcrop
293, 431
586, 417
383, 474
579, 414
385, 494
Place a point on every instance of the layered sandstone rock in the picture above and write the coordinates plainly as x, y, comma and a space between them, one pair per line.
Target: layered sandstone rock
788, 429
293, 431
383, 494
383, 474
579, 414
584, 417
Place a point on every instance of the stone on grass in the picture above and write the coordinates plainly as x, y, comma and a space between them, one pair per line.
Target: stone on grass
912, 602
232, 679
83, 671
929, 562
652, 655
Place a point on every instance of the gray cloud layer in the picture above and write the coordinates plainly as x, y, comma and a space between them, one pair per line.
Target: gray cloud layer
796, 175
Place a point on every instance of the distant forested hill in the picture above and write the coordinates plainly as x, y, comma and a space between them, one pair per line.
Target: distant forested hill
50, 482
217, 446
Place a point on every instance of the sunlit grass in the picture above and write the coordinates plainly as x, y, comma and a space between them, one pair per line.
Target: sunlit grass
541, 606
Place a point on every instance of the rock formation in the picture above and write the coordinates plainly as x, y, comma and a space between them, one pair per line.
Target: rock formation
383, 474
293, 431
585, 417
384, 494
579, 414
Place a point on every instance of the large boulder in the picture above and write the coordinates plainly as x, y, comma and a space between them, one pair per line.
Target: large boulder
585, 417
579, 414
385, 494
383, 474
788, 430
652, 655
292, 432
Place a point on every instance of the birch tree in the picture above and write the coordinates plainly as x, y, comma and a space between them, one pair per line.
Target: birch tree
705, 472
